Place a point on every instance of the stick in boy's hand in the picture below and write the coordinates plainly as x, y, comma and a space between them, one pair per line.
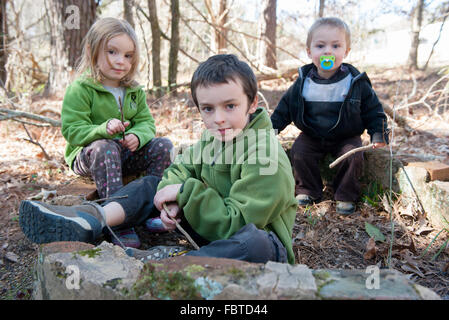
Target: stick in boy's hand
181, 228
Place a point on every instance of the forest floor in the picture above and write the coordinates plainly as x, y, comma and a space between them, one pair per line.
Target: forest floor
321, 237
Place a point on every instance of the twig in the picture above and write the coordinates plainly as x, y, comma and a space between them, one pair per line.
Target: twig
181, 229
36, 143
121, 115
349, 153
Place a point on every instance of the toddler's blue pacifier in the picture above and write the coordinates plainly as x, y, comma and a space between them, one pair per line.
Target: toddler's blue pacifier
327, 62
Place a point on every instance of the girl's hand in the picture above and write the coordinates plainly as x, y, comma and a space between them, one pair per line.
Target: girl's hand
173, 211
379, 145
115, 125
131, 142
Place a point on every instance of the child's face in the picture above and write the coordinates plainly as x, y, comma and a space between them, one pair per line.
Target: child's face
224, 109
115, 60
328, 41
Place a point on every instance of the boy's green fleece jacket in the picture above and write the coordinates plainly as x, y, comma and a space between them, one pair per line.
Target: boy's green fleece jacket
228, 185
88, 106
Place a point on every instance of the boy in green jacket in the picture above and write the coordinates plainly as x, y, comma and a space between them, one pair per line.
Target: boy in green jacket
233, 191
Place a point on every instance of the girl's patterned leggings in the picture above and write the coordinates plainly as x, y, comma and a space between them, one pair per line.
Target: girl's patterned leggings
106, 161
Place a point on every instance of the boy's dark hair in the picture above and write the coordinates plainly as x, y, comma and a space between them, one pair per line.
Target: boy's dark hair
222, 68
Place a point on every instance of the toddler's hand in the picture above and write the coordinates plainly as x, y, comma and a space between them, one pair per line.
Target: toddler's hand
379, 145
115, 125
131, 142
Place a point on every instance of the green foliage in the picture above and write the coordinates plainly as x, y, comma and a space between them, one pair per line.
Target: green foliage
443, 246
372, 194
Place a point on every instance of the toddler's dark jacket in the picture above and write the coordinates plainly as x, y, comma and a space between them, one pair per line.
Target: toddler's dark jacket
360, 110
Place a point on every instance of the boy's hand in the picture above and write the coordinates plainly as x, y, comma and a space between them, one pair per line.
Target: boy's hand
115, 125
379, 145
166, 195
131, 142
173, 211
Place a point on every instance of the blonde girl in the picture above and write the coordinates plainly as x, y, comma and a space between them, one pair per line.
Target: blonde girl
106, 121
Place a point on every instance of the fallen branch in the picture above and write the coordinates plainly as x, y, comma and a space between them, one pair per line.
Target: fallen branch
350, 153
13, 114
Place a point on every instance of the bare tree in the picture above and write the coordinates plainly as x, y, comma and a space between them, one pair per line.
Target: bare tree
321, 9
3, 41
267, 43
219, 20
417, 15
155, 47
127, 12
174, 45
69, 22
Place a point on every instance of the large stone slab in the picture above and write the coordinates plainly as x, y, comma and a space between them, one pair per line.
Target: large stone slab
106, 272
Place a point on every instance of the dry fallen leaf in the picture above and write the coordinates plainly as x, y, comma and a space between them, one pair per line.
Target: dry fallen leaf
371, 249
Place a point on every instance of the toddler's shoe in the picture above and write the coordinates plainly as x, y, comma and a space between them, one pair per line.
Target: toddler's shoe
156, 253
128, 238
345, 207
43, 223
304, 199
155, 225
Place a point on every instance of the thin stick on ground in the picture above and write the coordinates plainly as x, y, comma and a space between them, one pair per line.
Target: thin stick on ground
182, 229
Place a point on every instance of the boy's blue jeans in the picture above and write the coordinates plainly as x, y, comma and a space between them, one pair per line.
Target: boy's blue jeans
248, 244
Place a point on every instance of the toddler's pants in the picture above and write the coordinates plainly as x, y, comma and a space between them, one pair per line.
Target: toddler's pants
306, 154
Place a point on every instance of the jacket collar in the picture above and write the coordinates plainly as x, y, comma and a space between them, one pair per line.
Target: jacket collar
99, 87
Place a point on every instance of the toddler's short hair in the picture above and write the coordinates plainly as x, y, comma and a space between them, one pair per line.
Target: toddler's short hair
222, 68
333, 22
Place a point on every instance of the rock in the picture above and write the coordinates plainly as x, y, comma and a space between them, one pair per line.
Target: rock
106, 272
11, 256
437, 170
103, 272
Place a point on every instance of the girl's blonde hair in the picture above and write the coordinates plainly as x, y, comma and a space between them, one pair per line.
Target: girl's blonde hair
95, 40
332, 22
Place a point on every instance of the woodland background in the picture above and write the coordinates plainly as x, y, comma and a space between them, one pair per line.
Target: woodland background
402, 44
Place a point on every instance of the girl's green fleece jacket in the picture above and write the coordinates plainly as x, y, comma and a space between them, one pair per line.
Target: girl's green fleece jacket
88, 106
228, 185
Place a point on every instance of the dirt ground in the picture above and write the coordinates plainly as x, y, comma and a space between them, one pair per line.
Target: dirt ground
321, 237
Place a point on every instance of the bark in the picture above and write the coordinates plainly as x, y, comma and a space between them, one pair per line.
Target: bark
69, 22
3, 41
174, 46
416, 29
155, 47
128, 13
219, 20
321, 9
267, 44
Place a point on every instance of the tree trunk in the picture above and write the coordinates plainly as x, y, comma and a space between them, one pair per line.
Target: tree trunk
416, 29
128, 13
219, 19
69, 22
174, 46
321, 9
3, 41
267, 44
156, 48
74, 32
